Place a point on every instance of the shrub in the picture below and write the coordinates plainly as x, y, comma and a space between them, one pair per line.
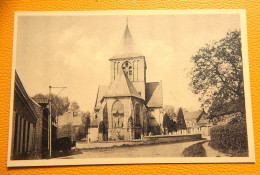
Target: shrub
195, 150
230, 138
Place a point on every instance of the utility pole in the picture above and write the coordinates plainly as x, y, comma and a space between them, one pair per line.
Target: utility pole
50, 120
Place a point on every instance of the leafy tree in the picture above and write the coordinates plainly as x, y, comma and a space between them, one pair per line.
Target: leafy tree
74, 106
79, 133
180, 124
170, 110
217, 76
59, 104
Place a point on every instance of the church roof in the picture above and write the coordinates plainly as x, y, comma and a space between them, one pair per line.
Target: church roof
102, 90
122, 86
153, 94
127, 47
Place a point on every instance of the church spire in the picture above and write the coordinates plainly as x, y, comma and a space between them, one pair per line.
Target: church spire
128, 41
127, 46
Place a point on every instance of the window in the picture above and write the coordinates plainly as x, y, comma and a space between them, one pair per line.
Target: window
114, 70
137, 70
134, 71
118, 114
117, 67
127, 69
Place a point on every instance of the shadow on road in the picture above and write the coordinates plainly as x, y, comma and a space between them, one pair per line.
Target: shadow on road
58, 154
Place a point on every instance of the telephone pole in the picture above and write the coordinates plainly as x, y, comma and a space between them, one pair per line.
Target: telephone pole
50, 120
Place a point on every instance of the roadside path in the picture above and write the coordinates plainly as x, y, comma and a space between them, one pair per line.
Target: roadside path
210, 152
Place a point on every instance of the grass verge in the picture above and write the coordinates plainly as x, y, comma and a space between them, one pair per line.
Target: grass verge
195, 150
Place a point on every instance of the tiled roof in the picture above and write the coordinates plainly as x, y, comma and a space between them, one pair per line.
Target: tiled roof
121, 87
102, 90
192, 115
153, 94
41, 100
77, 121
65, 119
19, 88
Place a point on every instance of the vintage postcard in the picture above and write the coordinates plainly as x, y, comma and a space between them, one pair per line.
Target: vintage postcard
130, 87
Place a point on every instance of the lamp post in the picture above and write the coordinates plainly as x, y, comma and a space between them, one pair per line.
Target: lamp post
50, 120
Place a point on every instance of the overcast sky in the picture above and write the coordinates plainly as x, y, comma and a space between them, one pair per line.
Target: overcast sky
74, 51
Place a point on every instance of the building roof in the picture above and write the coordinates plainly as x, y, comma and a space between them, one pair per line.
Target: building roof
194, 115
41, 101
127, 47
153, 94
77, 121
102, 90
65, 119
122, 87
20, 90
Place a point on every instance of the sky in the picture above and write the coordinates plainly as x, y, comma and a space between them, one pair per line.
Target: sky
74, 51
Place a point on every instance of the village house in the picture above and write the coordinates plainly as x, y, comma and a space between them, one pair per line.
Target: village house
197, 122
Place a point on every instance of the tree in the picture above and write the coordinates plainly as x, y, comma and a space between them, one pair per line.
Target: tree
74, 106
180, 124
86, 122
173, 126
217, 76
170, 110
168, 123
59, 104
101, 127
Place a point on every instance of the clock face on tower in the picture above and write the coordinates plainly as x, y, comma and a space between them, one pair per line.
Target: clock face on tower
127, 68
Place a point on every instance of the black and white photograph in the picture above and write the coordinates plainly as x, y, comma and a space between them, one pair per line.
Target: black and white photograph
130, 87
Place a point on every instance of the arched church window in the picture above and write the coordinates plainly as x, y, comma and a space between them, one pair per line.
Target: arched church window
118, 114
117, 67
137, 70
127, 68
114, 70
137, 115
134, 70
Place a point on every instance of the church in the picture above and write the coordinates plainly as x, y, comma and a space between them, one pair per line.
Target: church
129, 107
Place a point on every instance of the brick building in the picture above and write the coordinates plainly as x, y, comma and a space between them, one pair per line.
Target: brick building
41, 135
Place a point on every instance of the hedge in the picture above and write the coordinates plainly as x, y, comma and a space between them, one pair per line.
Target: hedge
230, 138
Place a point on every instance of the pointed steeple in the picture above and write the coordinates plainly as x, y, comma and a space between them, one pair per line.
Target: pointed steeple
127, 46
128, 41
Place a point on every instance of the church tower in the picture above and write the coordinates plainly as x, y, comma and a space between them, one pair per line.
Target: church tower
130, 62
121, 107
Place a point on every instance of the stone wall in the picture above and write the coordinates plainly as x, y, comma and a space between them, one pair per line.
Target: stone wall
172, 138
